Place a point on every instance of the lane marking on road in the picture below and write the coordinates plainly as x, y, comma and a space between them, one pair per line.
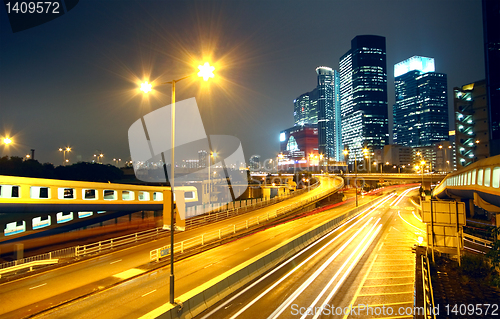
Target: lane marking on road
207, 266
390, 277
385, 304
420, 219
393, 270
128, 273
246, 248
362, 283
116, 261
386, 293
388, 285
148, 293
397, 264
38, 286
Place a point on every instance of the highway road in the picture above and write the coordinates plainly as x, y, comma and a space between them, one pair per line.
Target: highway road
138, 296
31, 294
366, 265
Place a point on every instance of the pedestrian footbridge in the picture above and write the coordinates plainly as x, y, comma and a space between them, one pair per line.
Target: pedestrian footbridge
479, 183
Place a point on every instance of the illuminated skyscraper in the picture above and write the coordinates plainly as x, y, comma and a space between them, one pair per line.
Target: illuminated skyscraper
421, 109
471, 123
363, 95
491, 30
305, 108
326, 124
321, 107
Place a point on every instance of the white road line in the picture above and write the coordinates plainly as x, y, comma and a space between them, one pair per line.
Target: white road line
114, 262
420, 230
246, 248
38, 286
148, 293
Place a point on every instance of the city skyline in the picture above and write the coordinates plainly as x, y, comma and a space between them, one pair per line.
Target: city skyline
73, 81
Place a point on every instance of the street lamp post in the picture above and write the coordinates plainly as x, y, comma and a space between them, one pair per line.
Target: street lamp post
422, 166
346, 159
367, 154
67, 149
214, 155
346, 153
206, 72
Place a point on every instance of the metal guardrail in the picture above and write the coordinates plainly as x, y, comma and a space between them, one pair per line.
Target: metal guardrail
97, 247
211, 217
229, 230
474, 239
30, 265
192, 212
427, 288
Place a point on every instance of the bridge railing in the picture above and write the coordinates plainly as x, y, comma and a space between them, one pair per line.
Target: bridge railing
215, 216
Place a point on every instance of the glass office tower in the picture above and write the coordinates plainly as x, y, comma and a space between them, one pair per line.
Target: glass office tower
326, 125
305, 108
491, 30
421, 109
363, 95
322, 107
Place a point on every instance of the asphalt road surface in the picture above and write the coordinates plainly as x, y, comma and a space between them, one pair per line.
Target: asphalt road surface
361, 270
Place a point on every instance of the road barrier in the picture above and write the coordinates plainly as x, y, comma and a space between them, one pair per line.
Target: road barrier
427, 289
221, 214
29, 265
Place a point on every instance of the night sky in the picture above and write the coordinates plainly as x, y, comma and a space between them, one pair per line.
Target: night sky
73, 81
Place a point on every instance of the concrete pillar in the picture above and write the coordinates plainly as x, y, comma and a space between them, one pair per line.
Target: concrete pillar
19, 252
167, 207
180, 217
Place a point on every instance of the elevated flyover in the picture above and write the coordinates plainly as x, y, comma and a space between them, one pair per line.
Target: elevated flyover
36, 204
477, 184
433, 177
32, 205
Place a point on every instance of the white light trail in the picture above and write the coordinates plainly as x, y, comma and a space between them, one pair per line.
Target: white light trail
293, 257
311, 278
328, 285
348, 271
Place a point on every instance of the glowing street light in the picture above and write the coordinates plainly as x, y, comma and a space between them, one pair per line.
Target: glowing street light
7, 141
206, 72
146, 87
67, 149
